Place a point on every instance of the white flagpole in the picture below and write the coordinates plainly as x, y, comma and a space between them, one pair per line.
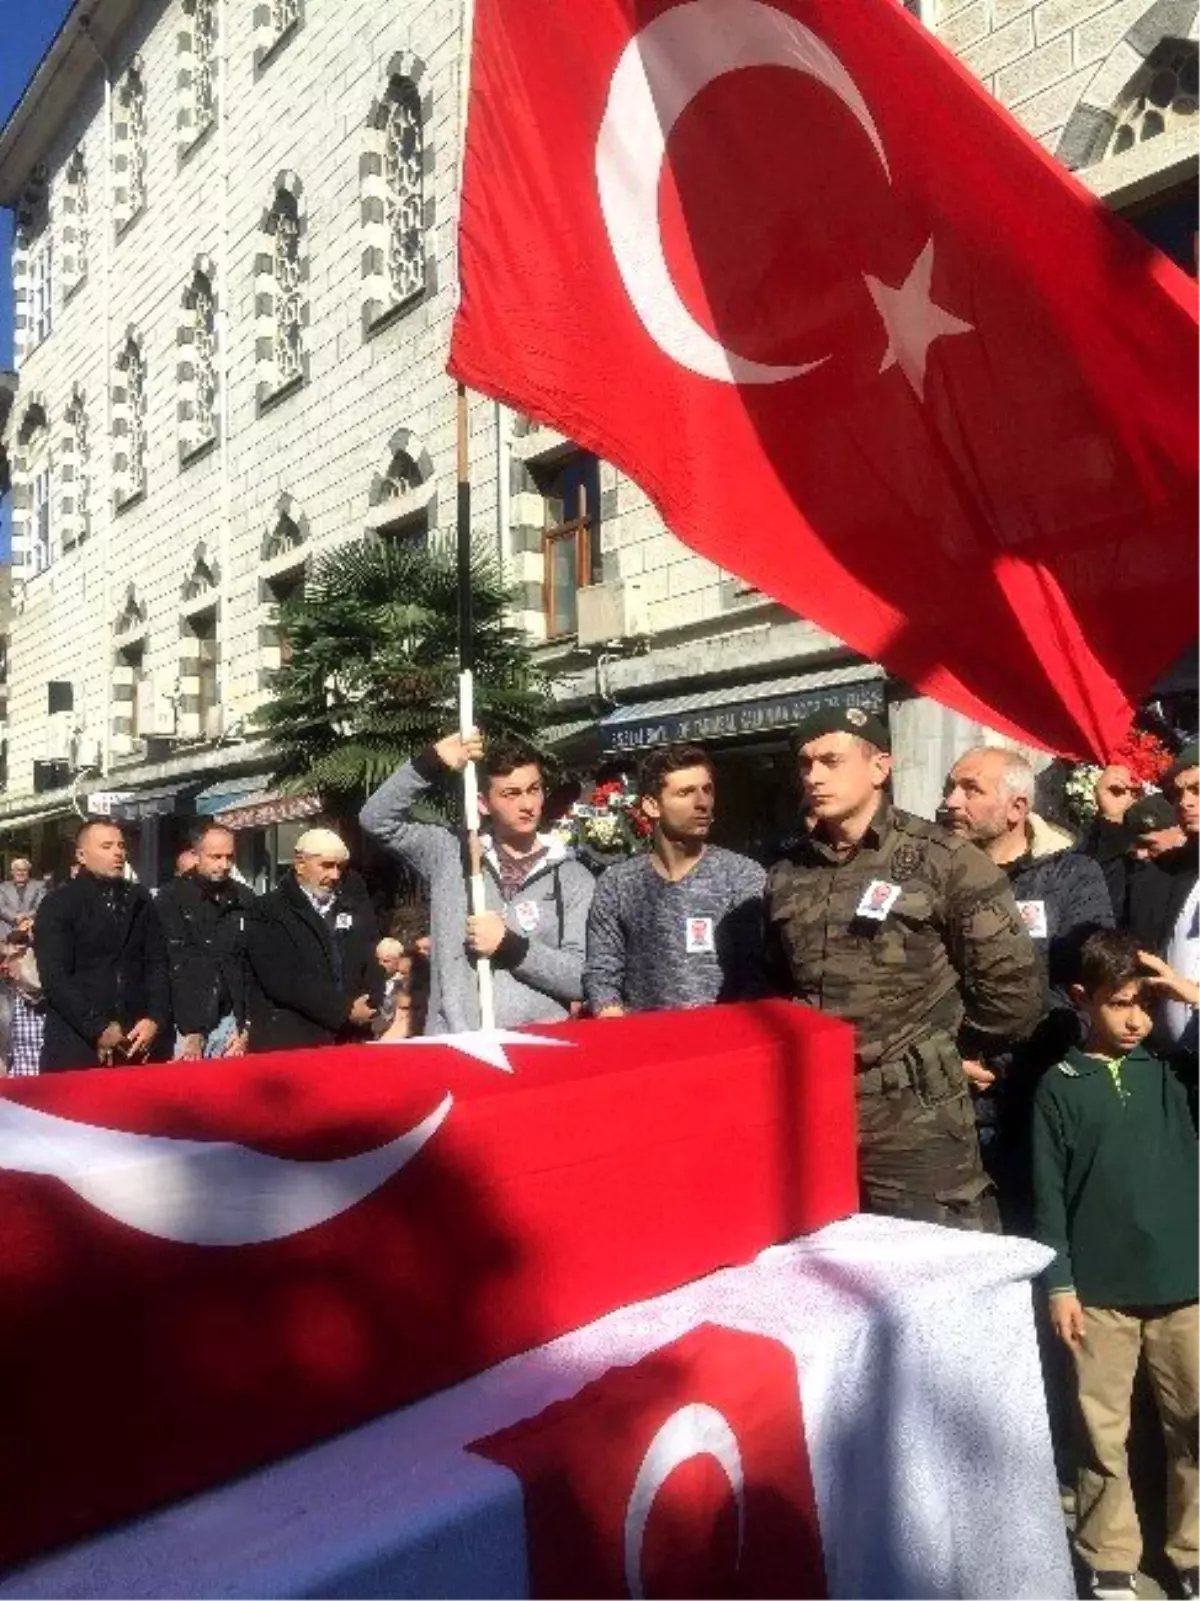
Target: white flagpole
466, 644
466, 708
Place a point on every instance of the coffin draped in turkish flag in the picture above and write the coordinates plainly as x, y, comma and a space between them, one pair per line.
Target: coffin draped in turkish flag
860, 339
209, 1264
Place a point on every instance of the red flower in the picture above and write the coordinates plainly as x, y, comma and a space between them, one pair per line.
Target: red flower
1145, 757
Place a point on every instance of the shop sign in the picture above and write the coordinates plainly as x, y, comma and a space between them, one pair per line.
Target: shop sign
106, 801
265, 813
773, 713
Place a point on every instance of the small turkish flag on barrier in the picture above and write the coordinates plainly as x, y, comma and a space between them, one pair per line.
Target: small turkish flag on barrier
686, 1474
856, 334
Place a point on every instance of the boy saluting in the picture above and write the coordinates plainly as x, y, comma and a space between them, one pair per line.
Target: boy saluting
1115, 1195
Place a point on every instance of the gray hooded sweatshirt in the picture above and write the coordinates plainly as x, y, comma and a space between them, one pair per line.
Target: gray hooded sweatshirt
538, 970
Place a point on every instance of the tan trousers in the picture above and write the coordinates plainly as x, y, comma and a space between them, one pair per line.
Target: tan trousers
1107, 1536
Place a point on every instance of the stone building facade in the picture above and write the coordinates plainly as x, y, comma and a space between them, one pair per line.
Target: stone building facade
234, 271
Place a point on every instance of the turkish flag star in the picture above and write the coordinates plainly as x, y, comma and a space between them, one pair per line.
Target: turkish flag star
913, 321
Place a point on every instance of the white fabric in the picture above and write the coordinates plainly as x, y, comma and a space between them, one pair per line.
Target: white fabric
923, 1407
1183, 954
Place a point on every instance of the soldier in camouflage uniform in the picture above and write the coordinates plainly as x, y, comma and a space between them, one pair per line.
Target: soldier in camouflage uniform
912, 935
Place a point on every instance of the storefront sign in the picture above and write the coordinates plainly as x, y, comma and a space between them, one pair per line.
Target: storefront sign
771, 714
274, 809
106, 801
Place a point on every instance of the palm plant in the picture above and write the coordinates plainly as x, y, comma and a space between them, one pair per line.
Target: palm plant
372, 670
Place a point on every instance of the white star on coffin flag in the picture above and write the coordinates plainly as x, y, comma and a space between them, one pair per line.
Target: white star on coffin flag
485, 1045
912, 319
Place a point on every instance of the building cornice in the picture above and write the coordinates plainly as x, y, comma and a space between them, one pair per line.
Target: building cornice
89, 37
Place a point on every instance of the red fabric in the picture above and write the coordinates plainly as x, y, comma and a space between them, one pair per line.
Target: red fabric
588, 1470
1020, 541
659, 1148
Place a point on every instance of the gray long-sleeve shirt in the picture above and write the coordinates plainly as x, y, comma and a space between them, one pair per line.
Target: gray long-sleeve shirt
654, 945
539, 970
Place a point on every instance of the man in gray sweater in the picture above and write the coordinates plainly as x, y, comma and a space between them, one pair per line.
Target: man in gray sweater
681, 926
538, 895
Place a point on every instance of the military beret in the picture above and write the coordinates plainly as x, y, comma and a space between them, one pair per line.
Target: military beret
1188, 757
1148, 815
843, 720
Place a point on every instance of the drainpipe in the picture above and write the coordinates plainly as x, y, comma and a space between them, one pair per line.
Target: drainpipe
224, 324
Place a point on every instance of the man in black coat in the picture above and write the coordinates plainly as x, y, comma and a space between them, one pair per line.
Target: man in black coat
103, 963
203, 914
315, 979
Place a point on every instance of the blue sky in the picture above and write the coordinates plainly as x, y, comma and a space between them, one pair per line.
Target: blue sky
26, 28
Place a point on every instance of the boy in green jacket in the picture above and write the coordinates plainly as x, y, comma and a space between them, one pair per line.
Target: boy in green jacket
1115, 1195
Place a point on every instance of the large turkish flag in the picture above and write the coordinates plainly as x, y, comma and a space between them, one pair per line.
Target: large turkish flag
860, 338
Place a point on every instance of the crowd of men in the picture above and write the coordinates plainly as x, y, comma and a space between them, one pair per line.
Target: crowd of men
990, 965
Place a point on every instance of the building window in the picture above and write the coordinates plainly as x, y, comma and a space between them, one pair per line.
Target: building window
285, 537
396, 214
570, 491
75, 475
199, 671
274, 22
33, 495
41, 286
74, 224
197, 369
129, 423
129, 148
281, 278
1161, 95
202, 579
404, 180
197, 81
138, 721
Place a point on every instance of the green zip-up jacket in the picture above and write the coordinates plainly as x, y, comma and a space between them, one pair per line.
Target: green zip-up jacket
1115, 1180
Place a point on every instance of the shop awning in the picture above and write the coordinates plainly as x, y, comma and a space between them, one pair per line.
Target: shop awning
133, 806
738, 710
228, 792
21, 821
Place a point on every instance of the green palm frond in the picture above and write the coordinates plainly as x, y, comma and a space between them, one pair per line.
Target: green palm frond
372, 674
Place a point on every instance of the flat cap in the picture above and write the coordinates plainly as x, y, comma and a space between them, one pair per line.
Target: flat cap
1188, 757
1148, 815
844, 720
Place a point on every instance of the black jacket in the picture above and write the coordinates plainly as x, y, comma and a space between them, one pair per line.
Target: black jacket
1157, 893
102, 958
306, 970
205, 929
1070, 888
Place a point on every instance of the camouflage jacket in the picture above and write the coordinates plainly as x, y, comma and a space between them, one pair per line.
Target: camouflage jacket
950, 957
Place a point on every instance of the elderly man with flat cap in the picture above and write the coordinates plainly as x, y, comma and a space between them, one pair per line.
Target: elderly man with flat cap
912, 935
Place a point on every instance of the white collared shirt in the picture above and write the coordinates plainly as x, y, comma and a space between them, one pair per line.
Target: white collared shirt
1183, 954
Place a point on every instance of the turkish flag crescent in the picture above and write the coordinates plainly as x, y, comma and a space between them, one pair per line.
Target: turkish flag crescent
686, 1475
858, 336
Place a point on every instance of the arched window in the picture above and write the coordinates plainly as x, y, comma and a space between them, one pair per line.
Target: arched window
33, 498
286, 536
129, 147
197, 81
129, 422
74, 224
396, 213
33, 265
274, 21
75, 474
202, 578
281, 277
1161, 95
197, 369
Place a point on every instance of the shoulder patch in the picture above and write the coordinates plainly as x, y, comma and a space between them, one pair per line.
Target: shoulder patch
906, 861
1068, 1070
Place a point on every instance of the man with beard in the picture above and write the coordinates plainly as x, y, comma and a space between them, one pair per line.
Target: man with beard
913, 935
682, 925
314, 976
103, 963
203, 913
1063, 898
